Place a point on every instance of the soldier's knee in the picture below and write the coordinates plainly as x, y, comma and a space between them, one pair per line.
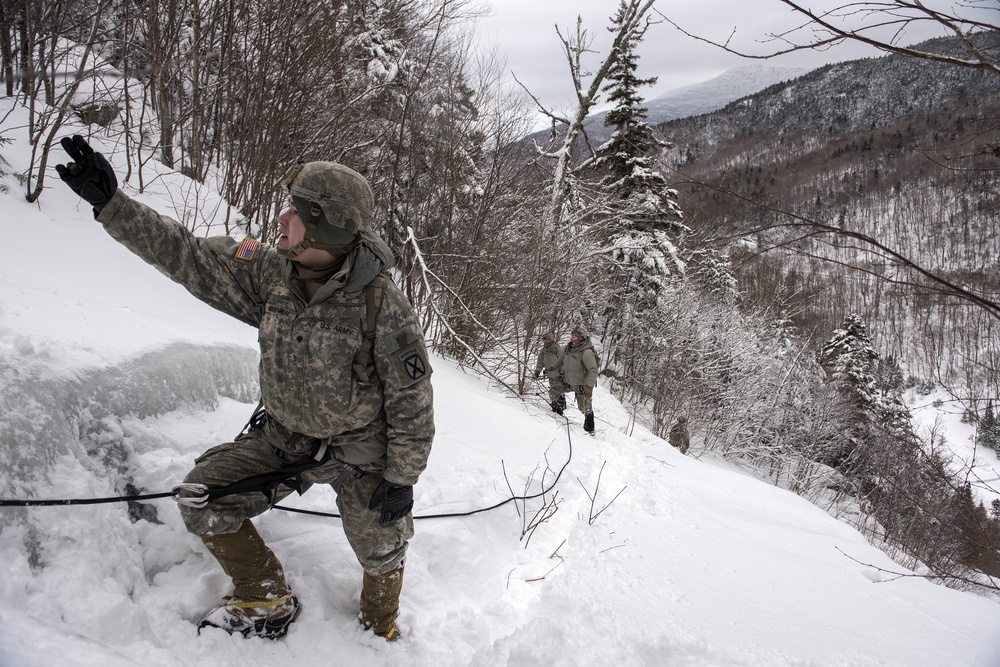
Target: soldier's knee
205, 521
378, 561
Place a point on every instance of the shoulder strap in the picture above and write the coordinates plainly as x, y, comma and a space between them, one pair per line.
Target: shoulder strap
362, 364
373, 302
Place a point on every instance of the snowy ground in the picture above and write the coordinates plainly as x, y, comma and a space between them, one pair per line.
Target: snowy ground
690, 562
936, 416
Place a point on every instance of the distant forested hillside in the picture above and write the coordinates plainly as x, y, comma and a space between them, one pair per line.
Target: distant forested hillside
898, 149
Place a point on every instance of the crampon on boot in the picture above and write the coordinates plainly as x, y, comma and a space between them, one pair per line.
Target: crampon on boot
392, 635
269, 619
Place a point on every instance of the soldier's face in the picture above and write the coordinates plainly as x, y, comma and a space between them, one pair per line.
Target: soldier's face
291, 229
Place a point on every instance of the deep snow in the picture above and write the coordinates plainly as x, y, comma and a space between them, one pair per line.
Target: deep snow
691, 562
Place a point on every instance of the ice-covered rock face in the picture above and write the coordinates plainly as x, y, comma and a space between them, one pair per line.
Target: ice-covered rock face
53, 422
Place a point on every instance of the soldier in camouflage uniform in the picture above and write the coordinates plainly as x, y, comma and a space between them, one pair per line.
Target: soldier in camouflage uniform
344, 375
580, 373
678, 435
550, 359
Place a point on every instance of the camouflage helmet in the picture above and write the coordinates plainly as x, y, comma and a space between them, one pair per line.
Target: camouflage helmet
333, 201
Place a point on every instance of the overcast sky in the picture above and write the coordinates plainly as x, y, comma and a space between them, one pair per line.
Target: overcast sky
525, 31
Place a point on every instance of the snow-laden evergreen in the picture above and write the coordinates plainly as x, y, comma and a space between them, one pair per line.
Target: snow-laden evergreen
988, 431
851, 359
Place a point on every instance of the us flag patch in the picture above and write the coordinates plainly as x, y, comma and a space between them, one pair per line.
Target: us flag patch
247, 250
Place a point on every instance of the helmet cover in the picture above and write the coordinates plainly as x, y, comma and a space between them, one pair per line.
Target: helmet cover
333, 201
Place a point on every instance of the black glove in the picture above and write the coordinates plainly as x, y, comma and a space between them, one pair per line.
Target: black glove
89, 174
396, 501
537, 374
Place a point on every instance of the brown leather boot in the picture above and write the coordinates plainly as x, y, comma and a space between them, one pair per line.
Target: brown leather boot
253, 567
380, 603
261, 604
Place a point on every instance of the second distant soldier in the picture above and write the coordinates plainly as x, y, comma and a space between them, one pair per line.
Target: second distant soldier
550, 360
580, 373
678, 436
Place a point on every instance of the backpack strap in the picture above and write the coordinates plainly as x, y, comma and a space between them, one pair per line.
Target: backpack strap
363, 363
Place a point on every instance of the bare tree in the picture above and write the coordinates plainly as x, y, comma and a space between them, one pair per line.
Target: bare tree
883, 25
805, 227
52, 71
575, 47
8, 18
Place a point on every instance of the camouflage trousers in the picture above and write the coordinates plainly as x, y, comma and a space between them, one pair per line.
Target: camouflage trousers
583, 402
557, 390
378, 548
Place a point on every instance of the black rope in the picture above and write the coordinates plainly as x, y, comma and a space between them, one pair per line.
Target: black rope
449, 515
261, 482
83, 501
272, 479
569, 440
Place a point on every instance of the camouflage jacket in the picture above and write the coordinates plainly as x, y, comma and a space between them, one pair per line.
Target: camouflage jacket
307, 348
580, 365
550, 359
678, 436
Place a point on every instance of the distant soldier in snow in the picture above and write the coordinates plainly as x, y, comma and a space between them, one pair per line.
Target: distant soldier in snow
580, 373
550, 359
678, 436
344, 377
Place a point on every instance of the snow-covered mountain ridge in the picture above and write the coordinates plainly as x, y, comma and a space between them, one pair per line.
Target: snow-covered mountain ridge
840, 99
704, 97
698, 98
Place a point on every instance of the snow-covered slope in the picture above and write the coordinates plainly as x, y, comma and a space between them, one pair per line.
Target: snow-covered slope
677, 560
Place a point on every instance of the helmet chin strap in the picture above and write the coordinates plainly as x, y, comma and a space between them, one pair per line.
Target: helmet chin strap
292, 253
306, 242
336, 250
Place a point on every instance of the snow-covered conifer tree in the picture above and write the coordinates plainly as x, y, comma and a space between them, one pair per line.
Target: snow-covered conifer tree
644, 218
850, 358
714, 272
988, 429
639, 220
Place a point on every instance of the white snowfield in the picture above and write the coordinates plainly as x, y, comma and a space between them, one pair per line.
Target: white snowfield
676, 561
